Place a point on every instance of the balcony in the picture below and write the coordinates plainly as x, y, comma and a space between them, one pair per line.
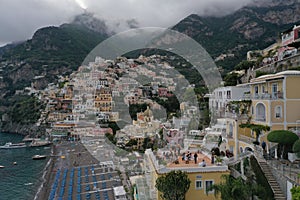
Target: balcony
260, 118
246, 139
267, 96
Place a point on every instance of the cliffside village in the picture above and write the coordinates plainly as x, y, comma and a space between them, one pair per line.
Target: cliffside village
81, 107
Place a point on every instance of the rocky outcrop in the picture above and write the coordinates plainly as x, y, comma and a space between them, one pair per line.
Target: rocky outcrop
30, 129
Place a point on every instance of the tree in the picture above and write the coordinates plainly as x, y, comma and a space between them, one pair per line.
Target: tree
111, 138
231, 79
244, 65
148, 143
257, 128
295, 192
131, 143
296, 147
173, 185
285, 140
236, 189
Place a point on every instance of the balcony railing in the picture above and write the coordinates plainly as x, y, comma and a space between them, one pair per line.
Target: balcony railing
246, 139
260, 118
267, 96
235, 116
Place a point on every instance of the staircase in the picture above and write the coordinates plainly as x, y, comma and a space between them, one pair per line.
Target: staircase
278, 194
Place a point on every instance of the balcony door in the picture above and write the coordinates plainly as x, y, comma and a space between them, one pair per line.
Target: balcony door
274, 91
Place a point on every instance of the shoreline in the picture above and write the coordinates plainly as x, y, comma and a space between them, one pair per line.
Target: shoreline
47, 179
75, 154
46, 173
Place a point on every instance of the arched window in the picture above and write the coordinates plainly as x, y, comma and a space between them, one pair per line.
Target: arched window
260, 114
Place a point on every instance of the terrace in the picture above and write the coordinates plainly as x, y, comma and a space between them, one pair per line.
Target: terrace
165, 165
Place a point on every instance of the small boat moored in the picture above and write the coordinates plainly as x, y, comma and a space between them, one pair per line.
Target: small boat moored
38, 157
10, 145
40, 143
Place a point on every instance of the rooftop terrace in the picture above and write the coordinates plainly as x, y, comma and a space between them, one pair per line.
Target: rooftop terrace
166, 165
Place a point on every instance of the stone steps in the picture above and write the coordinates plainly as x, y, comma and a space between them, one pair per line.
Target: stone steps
278, 194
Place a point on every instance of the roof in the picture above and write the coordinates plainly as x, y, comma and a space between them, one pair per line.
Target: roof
119, 191
278, 75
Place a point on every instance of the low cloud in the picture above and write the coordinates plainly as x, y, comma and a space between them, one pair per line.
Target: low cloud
19, 19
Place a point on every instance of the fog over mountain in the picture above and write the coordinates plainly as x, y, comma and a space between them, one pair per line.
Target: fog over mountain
19, 19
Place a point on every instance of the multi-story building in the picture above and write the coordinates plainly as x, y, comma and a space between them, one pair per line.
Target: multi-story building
103, 100
290, 36
276, 100
220, 97
201, 177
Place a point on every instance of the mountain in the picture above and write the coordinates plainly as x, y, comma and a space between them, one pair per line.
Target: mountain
253, 27
52, 51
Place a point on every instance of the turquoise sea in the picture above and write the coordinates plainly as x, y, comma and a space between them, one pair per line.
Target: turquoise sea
21, 181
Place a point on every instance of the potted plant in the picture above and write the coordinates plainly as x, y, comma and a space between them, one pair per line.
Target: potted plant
219, 160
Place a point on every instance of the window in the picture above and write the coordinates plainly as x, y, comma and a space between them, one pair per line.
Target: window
198, 184
263, 90
274, 90
228, 94
278, 112
208, 185
260, 112
256, 89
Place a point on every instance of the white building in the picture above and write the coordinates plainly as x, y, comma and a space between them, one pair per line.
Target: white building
221, 96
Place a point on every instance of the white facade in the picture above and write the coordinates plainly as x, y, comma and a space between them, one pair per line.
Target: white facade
223, 95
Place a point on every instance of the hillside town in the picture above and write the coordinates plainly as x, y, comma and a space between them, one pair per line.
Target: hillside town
117, 110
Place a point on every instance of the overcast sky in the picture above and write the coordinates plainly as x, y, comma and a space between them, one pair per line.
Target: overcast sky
19, 19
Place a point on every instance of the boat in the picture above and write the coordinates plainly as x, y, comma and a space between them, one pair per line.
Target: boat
28, 139
10, 145
38, 157
39, 143
1, 166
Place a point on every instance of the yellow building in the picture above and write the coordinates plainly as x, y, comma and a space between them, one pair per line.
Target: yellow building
103, 100
275, 103
200, 177
276, 100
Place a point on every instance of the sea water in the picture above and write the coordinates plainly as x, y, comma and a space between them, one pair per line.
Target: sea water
21, 181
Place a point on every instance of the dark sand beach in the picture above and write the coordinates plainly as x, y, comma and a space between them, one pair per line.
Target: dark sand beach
65, 155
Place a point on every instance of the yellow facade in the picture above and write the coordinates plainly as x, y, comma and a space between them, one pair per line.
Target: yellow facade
280, 99
200, 177
292, 91
196, 193
275, 102
103, 101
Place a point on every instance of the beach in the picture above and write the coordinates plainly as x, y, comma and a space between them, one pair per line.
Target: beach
64, 155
